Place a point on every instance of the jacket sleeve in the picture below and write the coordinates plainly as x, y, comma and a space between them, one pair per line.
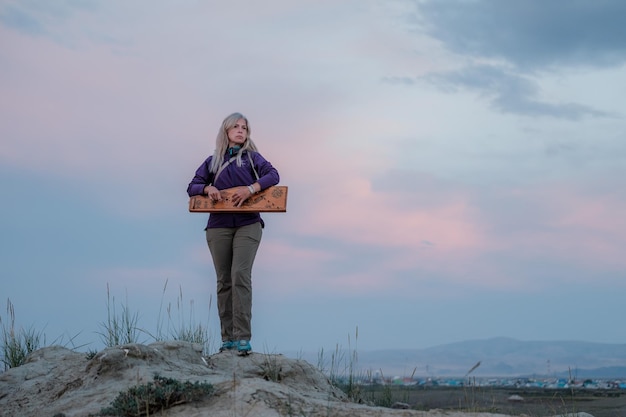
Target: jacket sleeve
268, 175
202, 178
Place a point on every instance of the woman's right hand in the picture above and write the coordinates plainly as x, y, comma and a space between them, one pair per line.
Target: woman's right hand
213, 193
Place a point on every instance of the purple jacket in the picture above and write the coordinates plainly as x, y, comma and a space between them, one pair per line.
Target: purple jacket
234, 176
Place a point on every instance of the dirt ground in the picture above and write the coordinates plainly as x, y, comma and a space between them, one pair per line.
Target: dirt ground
528, 402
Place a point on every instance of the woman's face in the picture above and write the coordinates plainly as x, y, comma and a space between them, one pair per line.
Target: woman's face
238, 133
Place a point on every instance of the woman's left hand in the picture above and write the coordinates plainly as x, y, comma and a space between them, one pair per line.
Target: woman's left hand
240, 195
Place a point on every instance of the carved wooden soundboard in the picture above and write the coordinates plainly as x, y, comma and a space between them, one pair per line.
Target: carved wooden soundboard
272, 199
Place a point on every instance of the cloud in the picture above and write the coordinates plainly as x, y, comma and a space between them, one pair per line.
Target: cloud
13, 17
508, 52
532, 34
510, 92
400, 80
499, 237
557, 223
52, 20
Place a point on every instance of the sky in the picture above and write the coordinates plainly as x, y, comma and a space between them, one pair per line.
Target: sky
455, 168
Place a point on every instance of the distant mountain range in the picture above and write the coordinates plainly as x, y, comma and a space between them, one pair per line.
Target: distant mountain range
498, 357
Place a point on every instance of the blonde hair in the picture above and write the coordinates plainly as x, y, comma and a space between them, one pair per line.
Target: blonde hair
221, 142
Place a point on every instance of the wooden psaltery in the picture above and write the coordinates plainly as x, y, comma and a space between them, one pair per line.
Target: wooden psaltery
272, 200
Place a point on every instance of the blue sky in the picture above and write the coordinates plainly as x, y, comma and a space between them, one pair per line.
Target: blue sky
455, 168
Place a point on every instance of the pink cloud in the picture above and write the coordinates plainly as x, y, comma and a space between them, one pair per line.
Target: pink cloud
353, 212
460, 236
582, 226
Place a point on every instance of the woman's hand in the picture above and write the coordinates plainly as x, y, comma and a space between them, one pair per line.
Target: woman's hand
213, 193
240, 195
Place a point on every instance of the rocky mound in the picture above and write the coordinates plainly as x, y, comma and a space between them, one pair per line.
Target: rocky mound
56, 381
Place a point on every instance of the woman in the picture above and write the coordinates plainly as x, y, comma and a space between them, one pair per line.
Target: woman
234, 238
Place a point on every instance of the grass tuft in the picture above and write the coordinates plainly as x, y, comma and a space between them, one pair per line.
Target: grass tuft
17, 344
179, 328
123, 328
342, 367
270, 368
119, 329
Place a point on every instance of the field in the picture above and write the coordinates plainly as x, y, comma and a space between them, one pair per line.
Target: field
534, 402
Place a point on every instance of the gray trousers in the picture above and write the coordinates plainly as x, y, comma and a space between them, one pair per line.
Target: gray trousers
233, 250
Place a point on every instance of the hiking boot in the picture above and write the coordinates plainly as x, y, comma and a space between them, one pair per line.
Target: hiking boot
243, 347
228, 345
